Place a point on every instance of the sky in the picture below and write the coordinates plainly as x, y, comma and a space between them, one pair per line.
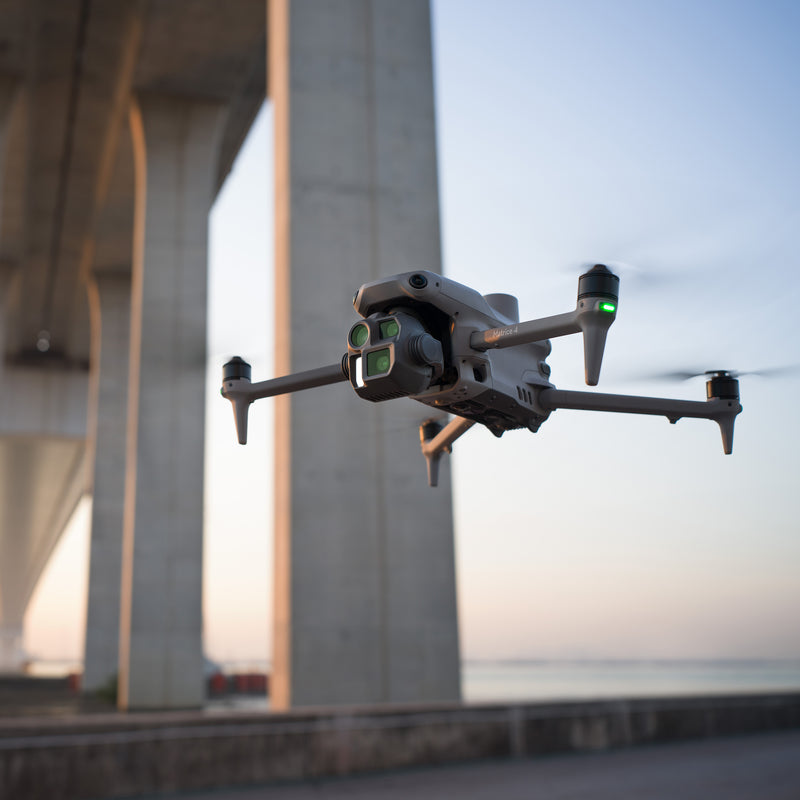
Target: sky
660, 137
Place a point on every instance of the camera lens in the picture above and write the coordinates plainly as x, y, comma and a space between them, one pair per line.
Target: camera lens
418, 281
359, 335
378, 362
389, 328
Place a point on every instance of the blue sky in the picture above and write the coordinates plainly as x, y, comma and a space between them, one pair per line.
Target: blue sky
661, 135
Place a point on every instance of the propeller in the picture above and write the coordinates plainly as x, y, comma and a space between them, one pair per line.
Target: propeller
646, 276
633, 274
787, 370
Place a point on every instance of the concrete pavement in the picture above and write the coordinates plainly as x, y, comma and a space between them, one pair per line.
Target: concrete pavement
760, 767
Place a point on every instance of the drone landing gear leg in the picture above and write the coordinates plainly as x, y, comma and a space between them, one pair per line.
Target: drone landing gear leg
435, 440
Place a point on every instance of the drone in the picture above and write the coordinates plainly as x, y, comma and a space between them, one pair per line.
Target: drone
445, 345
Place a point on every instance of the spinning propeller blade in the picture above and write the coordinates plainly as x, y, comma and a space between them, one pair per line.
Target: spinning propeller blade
784, 371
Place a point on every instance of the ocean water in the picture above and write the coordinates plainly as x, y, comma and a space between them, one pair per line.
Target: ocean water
484, 681
545, 680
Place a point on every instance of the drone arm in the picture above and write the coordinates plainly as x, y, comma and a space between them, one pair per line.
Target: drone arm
722, 411
592, 317
535, 330
310, 379
436, 440
237, 388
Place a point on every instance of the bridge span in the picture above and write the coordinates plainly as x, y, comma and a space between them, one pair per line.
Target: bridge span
119, 120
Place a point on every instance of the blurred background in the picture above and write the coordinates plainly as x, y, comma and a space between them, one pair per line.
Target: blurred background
607, 552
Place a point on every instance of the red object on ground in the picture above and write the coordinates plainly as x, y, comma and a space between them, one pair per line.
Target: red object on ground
256, 683
218, 683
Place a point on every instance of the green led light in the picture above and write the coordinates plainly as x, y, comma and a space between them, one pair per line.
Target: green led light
359, 335
609, 308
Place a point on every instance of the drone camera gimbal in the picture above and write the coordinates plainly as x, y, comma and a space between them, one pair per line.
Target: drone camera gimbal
427, 337
392, 355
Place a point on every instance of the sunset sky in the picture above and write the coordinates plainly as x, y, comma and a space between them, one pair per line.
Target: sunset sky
661, 135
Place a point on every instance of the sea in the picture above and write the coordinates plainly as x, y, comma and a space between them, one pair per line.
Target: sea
550, 680
546, 680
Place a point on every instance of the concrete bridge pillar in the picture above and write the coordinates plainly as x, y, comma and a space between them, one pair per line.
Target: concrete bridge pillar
7, 95
12, 651
365, 599
42, 433
109, 301
175, 142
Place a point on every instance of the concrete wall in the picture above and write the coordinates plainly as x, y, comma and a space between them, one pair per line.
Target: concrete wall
103, 757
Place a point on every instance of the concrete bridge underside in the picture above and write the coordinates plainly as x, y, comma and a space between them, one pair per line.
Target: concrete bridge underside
119, 120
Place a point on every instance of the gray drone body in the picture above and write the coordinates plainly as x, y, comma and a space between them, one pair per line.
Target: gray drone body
492, 389
432, 339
